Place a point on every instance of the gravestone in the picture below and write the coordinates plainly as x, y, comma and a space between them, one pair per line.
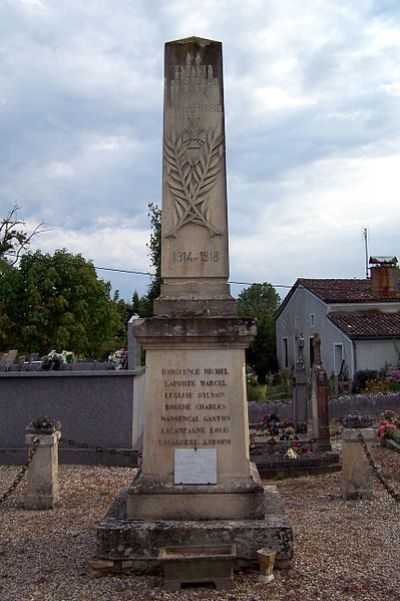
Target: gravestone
300, 390
319, 400
196, 484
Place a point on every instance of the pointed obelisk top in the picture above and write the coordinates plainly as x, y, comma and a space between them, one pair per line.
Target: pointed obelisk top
192, 39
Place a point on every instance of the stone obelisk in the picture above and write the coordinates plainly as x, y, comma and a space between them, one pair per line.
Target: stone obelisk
196, 447
196, 485
194, 258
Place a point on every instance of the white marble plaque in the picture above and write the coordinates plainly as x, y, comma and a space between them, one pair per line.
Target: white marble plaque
195, 466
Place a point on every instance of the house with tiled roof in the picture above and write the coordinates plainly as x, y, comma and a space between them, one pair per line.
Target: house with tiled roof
358, 321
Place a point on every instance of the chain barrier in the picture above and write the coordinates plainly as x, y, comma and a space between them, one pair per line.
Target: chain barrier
99, 449
395, 495
83, 445
21, 472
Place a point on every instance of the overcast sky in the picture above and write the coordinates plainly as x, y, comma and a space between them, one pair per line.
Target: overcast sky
312, 94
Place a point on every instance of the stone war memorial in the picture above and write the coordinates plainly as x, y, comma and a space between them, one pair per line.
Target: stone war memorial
196, 485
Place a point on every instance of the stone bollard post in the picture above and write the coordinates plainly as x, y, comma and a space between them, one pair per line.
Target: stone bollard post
42, 486
357, 476
319, 399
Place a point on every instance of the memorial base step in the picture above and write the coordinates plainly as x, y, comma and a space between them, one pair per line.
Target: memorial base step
132, 546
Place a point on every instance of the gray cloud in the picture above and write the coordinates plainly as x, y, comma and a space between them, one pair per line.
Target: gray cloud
311, 108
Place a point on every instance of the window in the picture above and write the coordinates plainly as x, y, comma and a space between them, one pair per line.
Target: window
285, 352
296, 323
312, 320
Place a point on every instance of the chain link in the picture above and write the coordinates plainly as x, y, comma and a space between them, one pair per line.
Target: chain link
395, 495
99, 449
22, 471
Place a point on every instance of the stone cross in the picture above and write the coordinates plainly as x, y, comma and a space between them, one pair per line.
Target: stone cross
299, 410
319, 400
300, 346
317, 348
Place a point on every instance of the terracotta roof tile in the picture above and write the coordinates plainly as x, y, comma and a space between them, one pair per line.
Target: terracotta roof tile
344, 291
367, 324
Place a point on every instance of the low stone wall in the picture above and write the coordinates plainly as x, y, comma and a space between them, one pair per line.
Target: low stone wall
101, 409
371, 405
105, 409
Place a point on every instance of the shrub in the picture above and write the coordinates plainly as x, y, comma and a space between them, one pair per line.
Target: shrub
257, 392
361, 378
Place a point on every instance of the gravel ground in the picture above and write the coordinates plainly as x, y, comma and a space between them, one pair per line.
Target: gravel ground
343, 551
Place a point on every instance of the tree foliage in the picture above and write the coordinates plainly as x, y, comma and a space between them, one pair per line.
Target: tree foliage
57, 301
261, 301
14, 238
143, 306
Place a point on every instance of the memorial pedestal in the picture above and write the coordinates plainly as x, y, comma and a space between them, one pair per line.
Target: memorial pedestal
196, 462
195, 403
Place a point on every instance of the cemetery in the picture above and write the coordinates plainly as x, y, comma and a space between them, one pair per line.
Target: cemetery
162, 481
344, 549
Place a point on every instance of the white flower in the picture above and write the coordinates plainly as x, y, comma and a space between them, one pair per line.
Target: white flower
291, 454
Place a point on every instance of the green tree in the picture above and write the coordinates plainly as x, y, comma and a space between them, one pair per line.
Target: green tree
143, 306
125, 309
261, 301
57, 301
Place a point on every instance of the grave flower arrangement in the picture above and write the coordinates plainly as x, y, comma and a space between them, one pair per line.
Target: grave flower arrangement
270, 423
300, 448
54, 360
291, 453
119, 358
68, 356
289, 433
389, 425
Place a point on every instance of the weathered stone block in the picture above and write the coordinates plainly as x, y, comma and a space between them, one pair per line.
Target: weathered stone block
191, 564
120, 539
357, 476
42, 481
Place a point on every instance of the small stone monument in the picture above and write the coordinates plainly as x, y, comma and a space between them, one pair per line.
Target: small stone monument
196, 485
319, 398
357, 476
300, 390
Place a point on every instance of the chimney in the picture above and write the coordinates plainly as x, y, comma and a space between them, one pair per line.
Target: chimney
385, 276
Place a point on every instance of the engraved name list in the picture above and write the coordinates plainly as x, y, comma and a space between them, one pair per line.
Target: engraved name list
196, 410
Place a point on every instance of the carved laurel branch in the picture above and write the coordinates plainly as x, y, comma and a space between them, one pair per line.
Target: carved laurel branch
189, 181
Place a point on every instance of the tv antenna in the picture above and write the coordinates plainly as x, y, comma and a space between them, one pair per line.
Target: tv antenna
365, 236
